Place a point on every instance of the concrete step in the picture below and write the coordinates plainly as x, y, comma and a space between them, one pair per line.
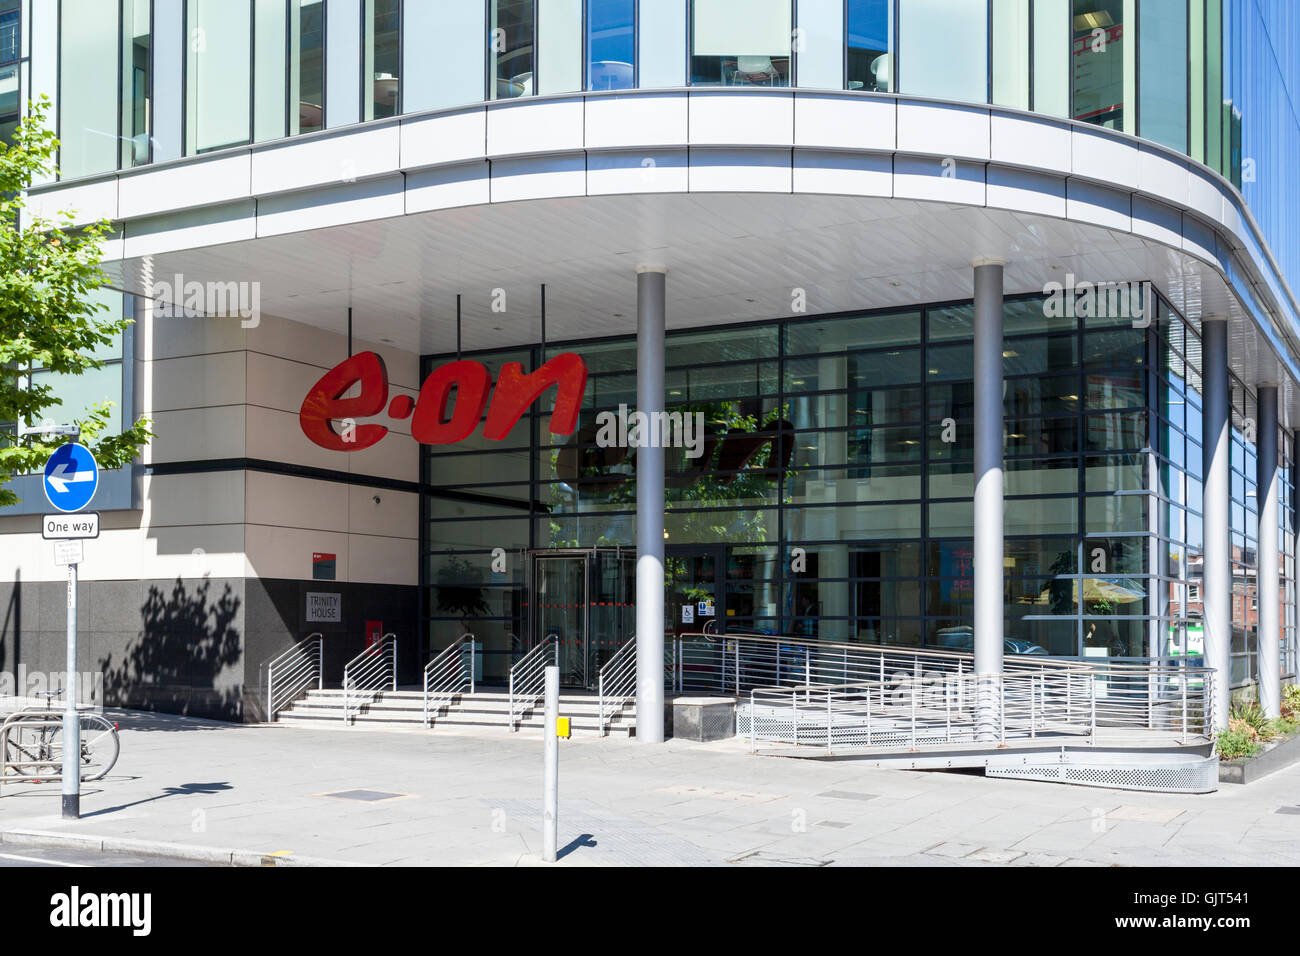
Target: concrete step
405, 710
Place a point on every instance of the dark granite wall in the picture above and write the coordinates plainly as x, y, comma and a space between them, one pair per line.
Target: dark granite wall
194, 646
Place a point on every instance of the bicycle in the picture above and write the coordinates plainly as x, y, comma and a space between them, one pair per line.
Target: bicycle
32, 743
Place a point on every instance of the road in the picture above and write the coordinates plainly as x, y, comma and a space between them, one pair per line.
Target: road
57, 856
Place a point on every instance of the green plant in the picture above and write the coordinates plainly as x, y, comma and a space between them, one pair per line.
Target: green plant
1237, 743
49, 319
1291, 699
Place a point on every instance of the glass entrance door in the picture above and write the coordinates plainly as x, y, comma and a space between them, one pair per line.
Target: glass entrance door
693, 592
560, 608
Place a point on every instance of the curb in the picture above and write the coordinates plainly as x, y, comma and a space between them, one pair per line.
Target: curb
227, 856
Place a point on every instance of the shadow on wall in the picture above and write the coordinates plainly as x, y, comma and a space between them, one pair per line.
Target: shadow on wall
176, 665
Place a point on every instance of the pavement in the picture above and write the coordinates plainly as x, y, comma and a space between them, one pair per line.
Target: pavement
277, 795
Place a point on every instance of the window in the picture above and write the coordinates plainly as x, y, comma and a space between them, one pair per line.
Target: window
1162, 103
611, 44
9, 34
306, 66
10, 50
88, 80
1100, 54
218, 75
137, 57
1011, 53
943, 49
740, 42
869, 42
381, 52
512, 42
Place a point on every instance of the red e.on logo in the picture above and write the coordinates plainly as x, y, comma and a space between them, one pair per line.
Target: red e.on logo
437, 420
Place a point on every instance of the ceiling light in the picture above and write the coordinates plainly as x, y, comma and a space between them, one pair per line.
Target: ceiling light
1092, 21
1011, 353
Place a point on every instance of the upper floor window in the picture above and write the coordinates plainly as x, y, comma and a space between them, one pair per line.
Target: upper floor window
306, 66
870, 42
382, 52
1098, 62
512, 49
611, 44
943, 49
741, 43
9, 34
10, 51
253, 72
137, 87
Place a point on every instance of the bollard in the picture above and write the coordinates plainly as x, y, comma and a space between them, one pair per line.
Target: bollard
551, 788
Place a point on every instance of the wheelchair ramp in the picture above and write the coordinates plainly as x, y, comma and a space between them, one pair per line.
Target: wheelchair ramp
1131, 726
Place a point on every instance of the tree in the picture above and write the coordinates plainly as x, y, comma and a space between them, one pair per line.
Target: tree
48, 271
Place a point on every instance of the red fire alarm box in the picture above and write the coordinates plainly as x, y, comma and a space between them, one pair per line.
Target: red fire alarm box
374, 632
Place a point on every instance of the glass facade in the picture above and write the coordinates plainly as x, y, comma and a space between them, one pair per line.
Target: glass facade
1191, 74
833, 494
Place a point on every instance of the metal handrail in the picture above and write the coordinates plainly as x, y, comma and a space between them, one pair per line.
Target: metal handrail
528, 677
447, 674
367, 673
290, 673
1103, 702
616, 684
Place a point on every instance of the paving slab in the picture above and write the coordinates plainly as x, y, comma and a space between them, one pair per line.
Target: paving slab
472, 798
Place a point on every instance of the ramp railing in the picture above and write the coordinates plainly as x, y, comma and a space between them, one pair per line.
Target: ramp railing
294, 671
616, 684
449, 672
370, 672
1108, 702
735, 663
528, 677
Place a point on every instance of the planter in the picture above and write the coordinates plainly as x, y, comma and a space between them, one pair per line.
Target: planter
1249, 769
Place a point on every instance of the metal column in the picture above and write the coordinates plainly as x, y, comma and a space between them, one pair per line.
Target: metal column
1267, 575
1216, 584
989, 632
650, 323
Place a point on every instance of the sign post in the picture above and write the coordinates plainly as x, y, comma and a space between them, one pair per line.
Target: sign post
71, 477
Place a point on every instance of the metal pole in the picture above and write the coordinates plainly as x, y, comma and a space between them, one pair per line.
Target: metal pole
551, 796
1268, 585
1217, 550
71, 725
651, 287
988, 573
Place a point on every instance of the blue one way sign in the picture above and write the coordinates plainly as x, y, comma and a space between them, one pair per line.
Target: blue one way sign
71, 477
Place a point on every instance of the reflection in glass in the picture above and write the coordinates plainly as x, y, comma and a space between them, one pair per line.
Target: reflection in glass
870, 35
136, 86
382, 51
1100, 36
611, 44
307, 67
513, 35
740, 42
